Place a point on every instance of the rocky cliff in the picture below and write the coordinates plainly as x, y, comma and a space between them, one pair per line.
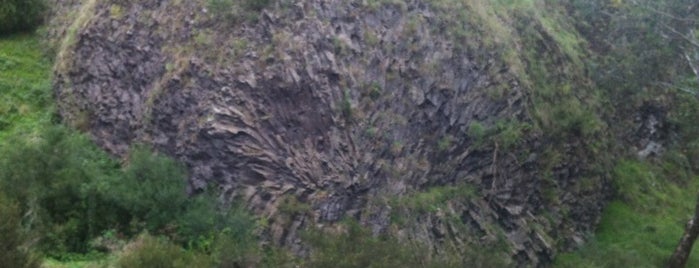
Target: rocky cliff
418, 118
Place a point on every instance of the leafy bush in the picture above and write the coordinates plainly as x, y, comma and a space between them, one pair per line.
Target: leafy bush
151, 252
151, 190
20, 15
51, 176
73, 192
13, 252
231, 252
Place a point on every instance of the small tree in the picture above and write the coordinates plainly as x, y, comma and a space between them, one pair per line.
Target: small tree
20, 15
13, 245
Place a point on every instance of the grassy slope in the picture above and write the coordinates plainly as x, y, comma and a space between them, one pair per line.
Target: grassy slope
642, 227
25, 86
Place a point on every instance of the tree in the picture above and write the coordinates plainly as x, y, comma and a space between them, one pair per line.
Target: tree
646, 44
20, 15
14, 250
684, 248
684, 29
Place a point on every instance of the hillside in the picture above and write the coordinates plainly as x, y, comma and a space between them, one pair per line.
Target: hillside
359, 116
485, 133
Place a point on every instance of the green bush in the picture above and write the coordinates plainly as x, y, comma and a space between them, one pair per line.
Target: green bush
20, 15
73, 192
151, 190
151, 252
231, 252
355, 246
51, 176
13, 242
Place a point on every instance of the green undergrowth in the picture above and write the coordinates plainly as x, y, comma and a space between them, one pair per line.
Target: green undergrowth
642, 227
433, 199
25, 97
536, 42
21, 15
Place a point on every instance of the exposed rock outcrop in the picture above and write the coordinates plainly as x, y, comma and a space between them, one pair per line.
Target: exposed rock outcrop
341, 105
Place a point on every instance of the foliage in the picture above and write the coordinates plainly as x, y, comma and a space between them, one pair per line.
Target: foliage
684, 115
642, 228
76, 199
639, 32
25, 98
20, 15
152, 189
151, 252
477, 132
640, 49
640, 46
78, 193
65, 191
346, 106
356, 247
14, 247
228, 235
504, 133
233, 11
434, 198
50, 176
73, 192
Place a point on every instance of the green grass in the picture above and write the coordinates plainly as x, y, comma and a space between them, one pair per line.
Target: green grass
50, 263
433, 198
642, 227
25, 85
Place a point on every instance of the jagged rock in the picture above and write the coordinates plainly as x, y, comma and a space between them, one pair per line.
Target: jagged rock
331, 102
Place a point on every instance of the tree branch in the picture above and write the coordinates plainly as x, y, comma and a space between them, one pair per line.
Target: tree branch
669, 15
692, 65
683, 36
684, 248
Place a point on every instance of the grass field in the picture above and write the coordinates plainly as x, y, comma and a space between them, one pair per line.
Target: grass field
644, 224
25, 85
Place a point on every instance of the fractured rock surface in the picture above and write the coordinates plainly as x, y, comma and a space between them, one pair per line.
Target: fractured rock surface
333, 103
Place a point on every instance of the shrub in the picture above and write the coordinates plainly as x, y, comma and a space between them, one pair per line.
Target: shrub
151, 252
13, 244
231, 252
227, 234
72, 193
477, 133
51, 175
20, 15
356, 247
151, 190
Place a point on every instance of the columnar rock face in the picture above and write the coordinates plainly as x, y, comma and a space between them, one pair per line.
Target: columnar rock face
312, 111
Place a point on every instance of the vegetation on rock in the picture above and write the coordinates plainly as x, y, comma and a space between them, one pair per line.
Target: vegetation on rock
607, 92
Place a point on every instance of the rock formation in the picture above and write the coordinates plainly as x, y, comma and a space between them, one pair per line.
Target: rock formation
313, 111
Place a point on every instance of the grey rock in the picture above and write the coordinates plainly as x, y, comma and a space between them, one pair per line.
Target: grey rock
332, 104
